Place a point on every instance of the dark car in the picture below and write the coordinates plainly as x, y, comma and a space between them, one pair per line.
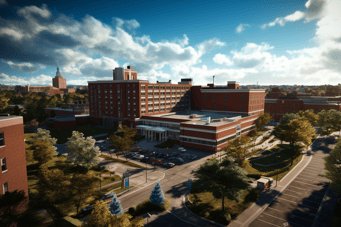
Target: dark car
107, 196
87, 210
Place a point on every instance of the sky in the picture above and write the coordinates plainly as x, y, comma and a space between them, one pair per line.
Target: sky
272, 42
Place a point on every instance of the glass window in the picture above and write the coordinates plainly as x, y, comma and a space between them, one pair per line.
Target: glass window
205, 96
213, 106
5, 187
2, 139
242, 108
224, 107
204, 106
3, 165
225, 97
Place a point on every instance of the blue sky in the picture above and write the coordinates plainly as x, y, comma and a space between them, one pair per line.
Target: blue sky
269, 42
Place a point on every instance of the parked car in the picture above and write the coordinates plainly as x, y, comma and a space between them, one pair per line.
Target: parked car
87, 210
107, 196
180, 148
180, 160
169, 164
193, 157
140, 157
156, 161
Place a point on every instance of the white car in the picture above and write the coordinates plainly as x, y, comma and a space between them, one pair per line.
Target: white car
180, 148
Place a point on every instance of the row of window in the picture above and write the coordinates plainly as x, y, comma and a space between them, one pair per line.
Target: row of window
143, 87
214, 107
225, 97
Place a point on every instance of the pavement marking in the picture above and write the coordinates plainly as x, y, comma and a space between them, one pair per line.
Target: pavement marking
297, 165
302, 193
286, 213
289, 208
296, 187
267, 222
286, 221
298, 203
301, 198
308, 184
319, 209
182, 219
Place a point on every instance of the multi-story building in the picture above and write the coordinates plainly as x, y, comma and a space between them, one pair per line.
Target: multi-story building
13, 174
59, 87
204, 117
293, 103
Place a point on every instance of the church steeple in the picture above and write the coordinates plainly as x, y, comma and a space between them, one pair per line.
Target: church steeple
58, 74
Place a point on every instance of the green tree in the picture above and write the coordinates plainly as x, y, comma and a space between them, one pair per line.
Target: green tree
82, 187
282, 125
3, 102
31, 124
44, 134
82, 151
13, 205
262, 120
330, 119
124, 142
298, 130
332, 165
309, 115
237, 148
54, 185
16, 110
227, 180
42, 151
52, 113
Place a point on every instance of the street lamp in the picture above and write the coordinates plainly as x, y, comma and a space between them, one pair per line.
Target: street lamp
148, 216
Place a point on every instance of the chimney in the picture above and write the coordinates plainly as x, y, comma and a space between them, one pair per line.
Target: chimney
208, 120
232, 85
129, 67
211, 85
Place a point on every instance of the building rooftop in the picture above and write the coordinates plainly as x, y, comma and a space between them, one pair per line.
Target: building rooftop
9, 117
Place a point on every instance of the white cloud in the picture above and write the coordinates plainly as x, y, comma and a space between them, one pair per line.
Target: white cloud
241, 27
209, 45
26, 66
14, 80
298, 15
222, 59
41, 80
27, 11
127, 24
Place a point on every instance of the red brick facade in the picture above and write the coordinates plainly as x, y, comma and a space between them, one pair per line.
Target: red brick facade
14, 152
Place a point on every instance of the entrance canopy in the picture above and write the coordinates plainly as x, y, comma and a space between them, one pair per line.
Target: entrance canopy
156, 129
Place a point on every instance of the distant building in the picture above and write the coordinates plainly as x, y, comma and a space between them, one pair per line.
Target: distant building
13, 174
59, 87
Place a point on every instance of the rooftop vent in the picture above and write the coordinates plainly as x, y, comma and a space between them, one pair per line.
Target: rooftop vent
193, 116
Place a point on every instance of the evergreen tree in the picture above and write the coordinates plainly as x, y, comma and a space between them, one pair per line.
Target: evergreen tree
157, 198
115, 206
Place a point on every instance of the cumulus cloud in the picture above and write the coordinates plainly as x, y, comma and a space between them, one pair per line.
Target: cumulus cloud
210, 45
37, 80
314, 10
26, 67
222, 59
126, 24
241, 27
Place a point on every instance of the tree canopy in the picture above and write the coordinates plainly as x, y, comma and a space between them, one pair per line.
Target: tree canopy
82, 151
330, 119
44, 134
262, 120
125, 142
42, 151
332, 165
226, 178
237, 148
309, 115
282, 125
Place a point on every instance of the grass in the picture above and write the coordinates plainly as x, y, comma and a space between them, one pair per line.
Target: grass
168, 144
63, 134
106, 157
205, 205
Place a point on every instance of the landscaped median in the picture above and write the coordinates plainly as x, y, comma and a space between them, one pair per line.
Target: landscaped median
107, 157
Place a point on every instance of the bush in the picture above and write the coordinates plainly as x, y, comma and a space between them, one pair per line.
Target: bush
256, 176
252, 196
146, 206
220, 217
132, 210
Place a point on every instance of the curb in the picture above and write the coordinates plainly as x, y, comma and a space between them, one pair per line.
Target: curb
204, 219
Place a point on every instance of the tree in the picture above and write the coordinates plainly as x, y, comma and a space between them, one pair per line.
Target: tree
13, 205
82, 187
309, 115
53, 185
82, 151
332, 165
32, 124
237, 148
52, 113
157, 197
42, 151
115, 206
3, 102
330, 119
283, 122
298, 130
44, 134
262, 120
16, 110
226, 179
124, 142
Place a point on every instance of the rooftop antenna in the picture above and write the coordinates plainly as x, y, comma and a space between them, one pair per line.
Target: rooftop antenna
213, 80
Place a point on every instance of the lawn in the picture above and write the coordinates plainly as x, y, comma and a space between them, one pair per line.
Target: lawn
63, 134
205, 205
106, 157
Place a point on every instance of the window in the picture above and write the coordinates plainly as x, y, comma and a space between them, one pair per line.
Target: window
3, 165
225, 97
204, 106
205, 97
213, 106
5, 187
242, 97
224, 107
242, 108
2, 139
214, 97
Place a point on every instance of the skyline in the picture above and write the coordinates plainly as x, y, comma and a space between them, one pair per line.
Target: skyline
282, 42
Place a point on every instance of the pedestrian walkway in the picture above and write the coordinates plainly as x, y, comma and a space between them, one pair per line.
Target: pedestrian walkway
299, 198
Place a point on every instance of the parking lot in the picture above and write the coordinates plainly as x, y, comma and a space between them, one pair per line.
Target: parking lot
299, 202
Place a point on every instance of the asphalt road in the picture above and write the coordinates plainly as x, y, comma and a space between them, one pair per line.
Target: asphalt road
299, 203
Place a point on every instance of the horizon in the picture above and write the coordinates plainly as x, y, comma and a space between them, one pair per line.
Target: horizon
274, 44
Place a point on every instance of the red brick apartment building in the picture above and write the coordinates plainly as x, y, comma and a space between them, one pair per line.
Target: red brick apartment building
293, 103
204, 117
13, 173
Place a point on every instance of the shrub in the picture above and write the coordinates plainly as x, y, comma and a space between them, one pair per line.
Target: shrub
132, 210
256, 176
146, 206
252, 196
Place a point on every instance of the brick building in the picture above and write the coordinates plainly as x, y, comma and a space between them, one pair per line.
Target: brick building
293, 103
13, 173
205, 117
59, 87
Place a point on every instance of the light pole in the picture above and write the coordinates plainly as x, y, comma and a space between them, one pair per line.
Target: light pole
148, 216
146, 171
